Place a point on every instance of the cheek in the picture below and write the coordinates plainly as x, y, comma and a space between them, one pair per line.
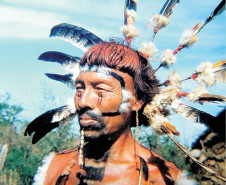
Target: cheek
115, 123
109, 102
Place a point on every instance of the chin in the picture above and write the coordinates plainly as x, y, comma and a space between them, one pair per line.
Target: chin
92, 135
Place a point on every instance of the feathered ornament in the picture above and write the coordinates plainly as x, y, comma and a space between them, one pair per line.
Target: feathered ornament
191, 113
129, 30
50, 120
148, 49
189, 36
196, 93
160, 20
69, 63
77, 36
168, 58
211, 171
209, 73
218, 10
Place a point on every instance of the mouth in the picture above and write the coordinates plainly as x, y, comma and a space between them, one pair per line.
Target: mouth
88, 123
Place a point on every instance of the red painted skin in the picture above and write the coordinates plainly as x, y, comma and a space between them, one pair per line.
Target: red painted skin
122, 164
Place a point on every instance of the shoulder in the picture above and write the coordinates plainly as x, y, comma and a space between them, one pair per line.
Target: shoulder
53, 166
162, 170
158, 167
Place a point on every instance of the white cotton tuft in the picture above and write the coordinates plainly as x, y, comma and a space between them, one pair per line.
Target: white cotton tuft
183, 179
158, 21
71, 105
131, 13
175, 79
130, 31
168, 58
40, 176
197, 92
125, 104
188, 38
175, 105
207, 73
156, 122
148, 49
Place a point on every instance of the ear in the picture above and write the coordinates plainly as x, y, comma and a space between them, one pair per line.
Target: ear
137, 105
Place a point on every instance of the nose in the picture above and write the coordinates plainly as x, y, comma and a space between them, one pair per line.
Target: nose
85, 99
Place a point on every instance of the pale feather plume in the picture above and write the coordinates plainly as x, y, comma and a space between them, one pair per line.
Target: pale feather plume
158, 21
168, 58
206, 73
188, 38
130, 31
196, 93
148, 49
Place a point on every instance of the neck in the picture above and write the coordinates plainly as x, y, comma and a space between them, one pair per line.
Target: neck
112, 148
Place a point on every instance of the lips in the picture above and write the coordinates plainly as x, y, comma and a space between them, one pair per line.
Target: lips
85, 120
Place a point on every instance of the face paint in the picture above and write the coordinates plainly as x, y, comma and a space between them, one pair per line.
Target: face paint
103, 101
100, 97
126, 95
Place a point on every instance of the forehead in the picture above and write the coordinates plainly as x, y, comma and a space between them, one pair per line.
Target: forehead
106, 74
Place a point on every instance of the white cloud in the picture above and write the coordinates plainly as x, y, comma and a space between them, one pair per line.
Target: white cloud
26, 24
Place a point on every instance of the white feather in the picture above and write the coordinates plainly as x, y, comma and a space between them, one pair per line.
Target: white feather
207, 73
182, 179
168, 58
158, 21
40, 176
71, 105
156, 122
197, 92
130, 31
131, 13
188, 38
148, 49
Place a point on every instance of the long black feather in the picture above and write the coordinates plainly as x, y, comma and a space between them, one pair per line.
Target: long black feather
48, 121
167, 9
61, 58
66, 79
218, 10
77, 36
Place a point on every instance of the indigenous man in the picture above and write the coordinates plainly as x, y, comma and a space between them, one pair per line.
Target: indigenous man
114, 85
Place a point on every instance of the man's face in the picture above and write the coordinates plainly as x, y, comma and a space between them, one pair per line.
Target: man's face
98, 100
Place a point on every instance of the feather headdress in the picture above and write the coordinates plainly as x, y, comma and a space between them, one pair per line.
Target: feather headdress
171, 93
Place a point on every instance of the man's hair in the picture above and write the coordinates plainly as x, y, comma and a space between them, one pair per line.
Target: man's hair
125, 59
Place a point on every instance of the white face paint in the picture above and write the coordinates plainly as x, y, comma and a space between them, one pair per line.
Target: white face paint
126, 95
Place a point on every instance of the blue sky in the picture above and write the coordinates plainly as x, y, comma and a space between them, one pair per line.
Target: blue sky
24, 35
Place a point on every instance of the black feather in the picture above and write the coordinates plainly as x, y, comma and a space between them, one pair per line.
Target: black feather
77, 36
45, 123
167, 9
55, 56
66, 79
